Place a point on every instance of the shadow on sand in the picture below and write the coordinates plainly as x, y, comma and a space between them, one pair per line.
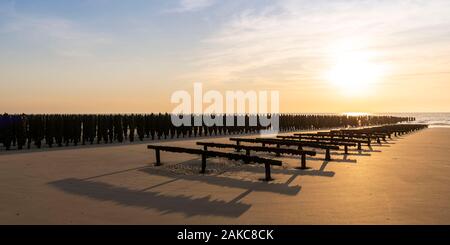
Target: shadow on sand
293, 172
279, 188
187, 205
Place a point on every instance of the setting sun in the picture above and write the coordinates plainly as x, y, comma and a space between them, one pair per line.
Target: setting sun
353, 70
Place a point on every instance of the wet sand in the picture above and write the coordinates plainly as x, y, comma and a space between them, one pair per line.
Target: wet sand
406, 181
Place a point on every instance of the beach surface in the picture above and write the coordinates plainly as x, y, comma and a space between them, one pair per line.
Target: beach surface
406, 181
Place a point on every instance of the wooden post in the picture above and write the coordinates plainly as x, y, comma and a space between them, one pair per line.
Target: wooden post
158, 157
303, 165
268, 177
378, 140
247, 153
278, 147
346, 149
327, 155
205, 148
238, 143
203, 163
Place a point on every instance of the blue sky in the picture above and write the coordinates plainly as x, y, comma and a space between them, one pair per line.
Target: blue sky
129, 56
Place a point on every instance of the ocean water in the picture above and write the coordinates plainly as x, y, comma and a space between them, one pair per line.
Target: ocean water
432, 119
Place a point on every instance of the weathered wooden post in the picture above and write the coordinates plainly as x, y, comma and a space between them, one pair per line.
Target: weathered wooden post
278, 153
247, 153
327, 155
267, 167
238, 143
158, 157
359, 145
303, 163
346, 149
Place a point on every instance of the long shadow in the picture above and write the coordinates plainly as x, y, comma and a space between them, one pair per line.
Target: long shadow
112, 173
242, 195
308, 171
160, 184
296, 172
257, 186
351, 154
365, 150
230, 182
151, 200
334, 159
320, 172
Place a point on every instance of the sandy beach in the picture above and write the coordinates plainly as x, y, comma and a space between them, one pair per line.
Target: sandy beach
403, 182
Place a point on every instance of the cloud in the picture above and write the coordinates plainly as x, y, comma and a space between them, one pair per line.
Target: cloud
192, 5
291, 41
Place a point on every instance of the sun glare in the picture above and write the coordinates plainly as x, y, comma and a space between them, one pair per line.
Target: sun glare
353, 71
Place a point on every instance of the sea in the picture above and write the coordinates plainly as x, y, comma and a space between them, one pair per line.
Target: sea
433, 119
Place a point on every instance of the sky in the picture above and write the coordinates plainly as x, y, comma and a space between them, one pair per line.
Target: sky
114, 56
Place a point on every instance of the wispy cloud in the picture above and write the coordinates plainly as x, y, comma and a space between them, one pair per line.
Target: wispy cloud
192, 5
295, 40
